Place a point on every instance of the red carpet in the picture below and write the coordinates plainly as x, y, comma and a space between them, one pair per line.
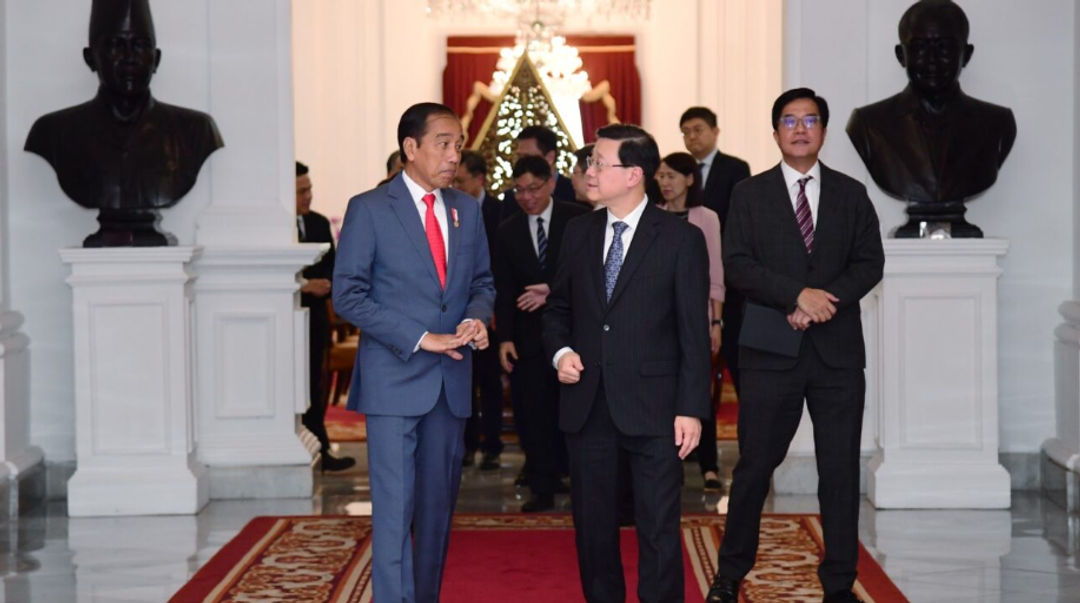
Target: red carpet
502, 558
345, 425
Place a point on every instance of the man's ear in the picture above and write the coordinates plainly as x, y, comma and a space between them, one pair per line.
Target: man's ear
900, 55
157, 58
969, 49
550, 157
88, 58
410, 145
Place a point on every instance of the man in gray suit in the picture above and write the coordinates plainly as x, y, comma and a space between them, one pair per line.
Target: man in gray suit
413, 274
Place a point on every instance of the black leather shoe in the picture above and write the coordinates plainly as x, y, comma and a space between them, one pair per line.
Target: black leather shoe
723, 591
713, 485
539, 503
330, 463
520, 481
490, 462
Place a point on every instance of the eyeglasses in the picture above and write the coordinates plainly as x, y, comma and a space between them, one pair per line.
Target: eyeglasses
600, 166
532, 190
808, 121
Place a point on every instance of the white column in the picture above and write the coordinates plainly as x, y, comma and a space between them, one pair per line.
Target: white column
1061, 462
251, 334
939, 415
134, 424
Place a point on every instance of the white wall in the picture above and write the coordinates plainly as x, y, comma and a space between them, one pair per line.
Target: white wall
45, 72
1024, 59
355, 75
4, 241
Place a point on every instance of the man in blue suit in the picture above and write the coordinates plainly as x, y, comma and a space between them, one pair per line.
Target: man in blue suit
413, 274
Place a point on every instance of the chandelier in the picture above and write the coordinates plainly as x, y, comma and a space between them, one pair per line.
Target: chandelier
550, 11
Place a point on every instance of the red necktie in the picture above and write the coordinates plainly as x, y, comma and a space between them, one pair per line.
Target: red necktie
434, 238
802, 214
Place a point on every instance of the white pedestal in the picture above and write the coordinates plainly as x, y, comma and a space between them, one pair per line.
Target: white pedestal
17, 456
939, 414
1061, 466
134, 429
253, 370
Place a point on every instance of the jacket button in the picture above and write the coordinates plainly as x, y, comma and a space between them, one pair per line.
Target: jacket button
607, 328
444, 308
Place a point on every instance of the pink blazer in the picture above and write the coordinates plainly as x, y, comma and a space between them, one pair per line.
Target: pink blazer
709, 223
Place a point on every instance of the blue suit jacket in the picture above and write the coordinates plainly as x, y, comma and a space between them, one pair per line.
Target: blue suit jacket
385, 283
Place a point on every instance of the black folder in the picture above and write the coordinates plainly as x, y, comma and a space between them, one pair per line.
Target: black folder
767, 329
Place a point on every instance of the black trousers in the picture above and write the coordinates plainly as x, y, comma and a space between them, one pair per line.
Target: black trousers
769, 413
314, 418
656, 472
535, 387
486, 419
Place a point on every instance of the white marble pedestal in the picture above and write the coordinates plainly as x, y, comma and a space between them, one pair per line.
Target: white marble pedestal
1061, 453
134, 427
938, 434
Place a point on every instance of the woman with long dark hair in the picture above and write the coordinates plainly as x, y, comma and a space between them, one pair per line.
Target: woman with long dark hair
679, 181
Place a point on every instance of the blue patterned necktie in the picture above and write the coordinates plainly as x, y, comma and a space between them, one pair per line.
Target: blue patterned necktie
541, 243
614, 258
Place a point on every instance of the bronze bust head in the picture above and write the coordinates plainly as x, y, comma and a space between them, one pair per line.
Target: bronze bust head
932, 145
123, 152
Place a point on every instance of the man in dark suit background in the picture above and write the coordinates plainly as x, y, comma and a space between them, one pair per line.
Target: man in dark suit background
627, 329
803, 244
526, 253
720, 173
486, 420
313, 227
538, 141
413, 273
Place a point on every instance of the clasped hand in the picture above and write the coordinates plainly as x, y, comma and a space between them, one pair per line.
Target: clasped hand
534, 297
814, 305
474, 331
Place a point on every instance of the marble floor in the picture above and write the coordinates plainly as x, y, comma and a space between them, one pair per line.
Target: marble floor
1030, 553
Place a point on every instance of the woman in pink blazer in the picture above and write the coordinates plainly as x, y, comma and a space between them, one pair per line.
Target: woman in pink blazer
680, 188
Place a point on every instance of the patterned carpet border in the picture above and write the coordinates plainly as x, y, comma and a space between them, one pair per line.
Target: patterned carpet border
327, 559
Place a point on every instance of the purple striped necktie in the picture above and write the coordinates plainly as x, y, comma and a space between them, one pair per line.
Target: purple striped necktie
802, 214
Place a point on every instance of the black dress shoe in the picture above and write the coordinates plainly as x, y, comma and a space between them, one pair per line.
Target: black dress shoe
723, 591
331, 463
490, 462
520, 481
713, 485
539, 503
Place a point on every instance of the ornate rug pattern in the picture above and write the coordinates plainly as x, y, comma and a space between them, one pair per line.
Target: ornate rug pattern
328, 559
345, 425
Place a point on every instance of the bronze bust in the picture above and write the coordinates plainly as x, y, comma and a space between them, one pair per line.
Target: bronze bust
123, 152
931, 144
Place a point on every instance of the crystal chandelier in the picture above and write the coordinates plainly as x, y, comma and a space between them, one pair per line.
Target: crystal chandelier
560, 69
552, 11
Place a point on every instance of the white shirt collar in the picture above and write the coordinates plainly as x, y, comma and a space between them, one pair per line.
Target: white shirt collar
546, 215
417, 192
631, 218
708, 160
792, 176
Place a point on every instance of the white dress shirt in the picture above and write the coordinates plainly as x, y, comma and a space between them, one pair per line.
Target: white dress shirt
813, 188
706, 165
631, 220
546, 215
417, 193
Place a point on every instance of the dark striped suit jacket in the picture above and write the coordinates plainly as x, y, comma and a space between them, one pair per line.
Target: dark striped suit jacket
649, 346
766, 259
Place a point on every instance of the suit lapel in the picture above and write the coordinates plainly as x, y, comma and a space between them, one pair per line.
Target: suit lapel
639, 248
781, 200
453, 231
403, 206
594, 264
